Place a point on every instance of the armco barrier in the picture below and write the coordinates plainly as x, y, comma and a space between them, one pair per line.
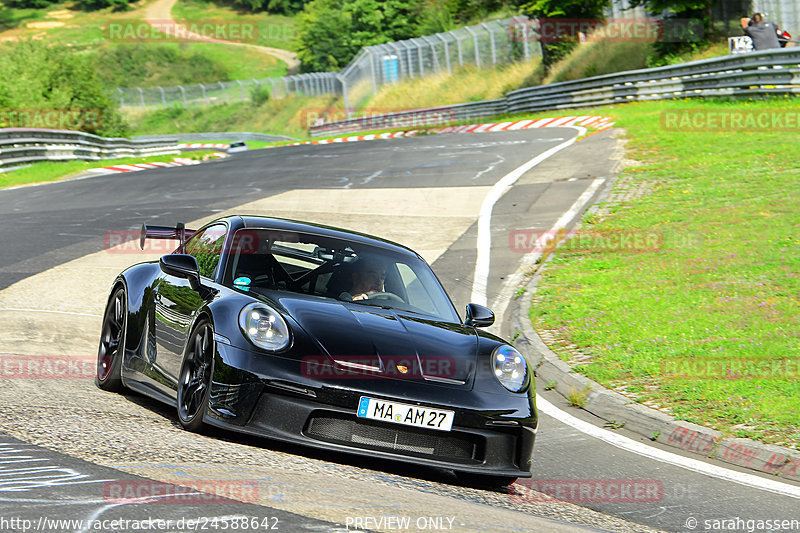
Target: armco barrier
19, 146
742, 75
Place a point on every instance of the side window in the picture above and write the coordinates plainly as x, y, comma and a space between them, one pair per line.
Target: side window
206, 247
417, 295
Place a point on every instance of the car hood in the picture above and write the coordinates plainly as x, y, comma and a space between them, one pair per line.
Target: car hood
387, 342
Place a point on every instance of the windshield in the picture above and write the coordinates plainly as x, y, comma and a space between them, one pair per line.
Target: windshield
264, 261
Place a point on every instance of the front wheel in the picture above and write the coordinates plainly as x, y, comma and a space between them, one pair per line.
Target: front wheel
484, 480
112, 343
194, 384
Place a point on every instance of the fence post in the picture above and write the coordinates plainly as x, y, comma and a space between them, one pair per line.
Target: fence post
526, 46
163, 98
203, 92
477, 49
344, 96
419, 58
436, 66
491, 37
141, 96
183, 95
446, 51
121, 98
372, 70
241, 90
224, 96
460, 50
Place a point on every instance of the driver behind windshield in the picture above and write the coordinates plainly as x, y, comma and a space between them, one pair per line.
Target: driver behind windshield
367, 278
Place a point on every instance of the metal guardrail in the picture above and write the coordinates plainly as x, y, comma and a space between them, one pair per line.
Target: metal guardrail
224, 136
742, 75
19, 146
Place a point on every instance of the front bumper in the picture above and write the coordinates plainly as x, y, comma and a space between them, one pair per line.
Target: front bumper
492, 434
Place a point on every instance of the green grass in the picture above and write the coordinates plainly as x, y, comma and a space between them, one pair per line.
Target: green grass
286, 116
724, 284
149, 64
47, 171
277, 31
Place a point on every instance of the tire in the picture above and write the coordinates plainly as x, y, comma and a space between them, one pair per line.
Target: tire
194, 383
482, 480
112, 343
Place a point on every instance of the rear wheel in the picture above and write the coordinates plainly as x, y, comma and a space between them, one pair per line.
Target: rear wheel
194, 384
112, 343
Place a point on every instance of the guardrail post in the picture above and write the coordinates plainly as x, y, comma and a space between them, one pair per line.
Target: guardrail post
446, 52
163, 97
141, 96
477, 48
183, 95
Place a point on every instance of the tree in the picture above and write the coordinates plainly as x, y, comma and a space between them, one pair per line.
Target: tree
554, 51
38, 78
680, 34
331, 32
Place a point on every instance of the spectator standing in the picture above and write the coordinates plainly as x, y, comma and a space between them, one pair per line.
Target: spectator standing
764, 34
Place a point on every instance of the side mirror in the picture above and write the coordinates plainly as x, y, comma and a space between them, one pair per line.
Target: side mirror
181, 266
479, 316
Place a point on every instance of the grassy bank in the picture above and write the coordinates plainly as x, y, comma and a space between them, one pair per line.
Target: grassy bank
277, 31
706, 321
47, 171
287, 116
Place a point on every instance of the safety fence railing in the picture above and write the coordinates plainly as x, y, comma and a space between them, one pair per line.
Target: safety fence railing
486, 44
744, 75
19, 146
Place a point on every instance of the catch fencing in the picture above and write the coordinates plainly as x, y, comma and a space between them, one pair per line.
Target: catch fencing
757, 74
486, 44
19, 146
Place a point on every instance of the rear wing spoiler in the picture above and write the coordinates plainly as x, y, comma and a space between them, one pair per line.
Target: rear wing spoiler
179, 232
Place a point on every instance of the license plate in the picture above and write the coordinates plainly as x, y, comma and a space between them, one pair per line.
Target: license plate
408, 415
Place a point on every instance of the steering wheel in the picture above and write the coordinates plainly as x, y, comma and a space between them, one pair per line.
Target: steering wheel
384, 296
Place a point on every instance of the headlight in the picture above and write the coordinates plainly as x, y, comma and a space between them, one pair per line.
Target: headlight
509, 367
264, 326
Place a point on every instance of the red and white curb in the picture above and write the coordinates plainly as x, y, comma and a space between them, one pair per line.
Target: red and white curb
177, 162
597, 123
184, 146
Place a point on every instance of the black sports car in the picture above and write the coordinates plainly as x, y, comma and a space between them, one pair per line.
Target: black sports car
322, 337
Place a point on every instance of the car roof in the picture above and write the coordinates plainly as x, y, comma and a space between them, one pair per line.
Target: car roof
252, 221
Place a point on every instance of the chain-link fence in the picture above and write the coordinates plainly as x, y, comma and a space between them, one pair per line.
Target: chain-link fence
482, 45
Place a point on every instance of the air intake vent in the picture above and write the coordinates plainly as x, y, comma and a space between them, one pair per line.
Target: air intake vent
407, 441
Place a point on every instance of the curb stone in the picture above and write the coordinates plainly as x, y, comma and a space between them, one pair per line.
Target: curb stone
650, 423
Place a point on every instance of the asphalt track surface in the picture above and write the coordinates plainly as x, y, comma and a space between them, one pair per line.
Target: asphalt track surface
48, 225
